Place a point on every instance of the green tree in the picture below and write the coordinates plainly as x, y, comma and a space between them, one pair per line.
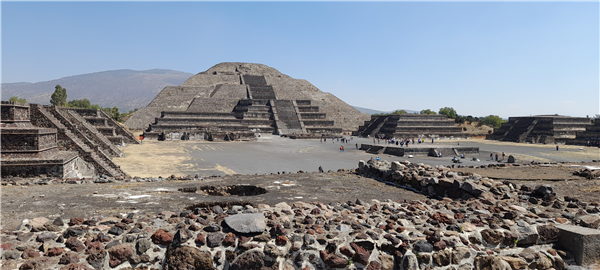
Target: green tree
80, 103
448, 111
427, 111
492, 121
17, 99
399, 112
59, 97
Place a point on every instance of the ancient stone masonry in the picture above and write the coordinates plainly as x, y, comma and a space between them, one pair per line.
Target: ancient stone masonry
90, 136
410, 126
433, 151
589, 137
469, 222
540, 129
233, 101
29, 151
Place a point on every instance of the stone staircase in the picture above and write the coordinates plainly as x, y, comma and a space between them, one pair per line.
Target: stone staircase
370, 128
70, 137
92, 133
287, 118
410, 126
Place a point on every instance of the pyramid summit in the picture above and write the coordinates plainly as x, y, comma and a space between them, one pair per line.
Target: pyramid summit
232, 100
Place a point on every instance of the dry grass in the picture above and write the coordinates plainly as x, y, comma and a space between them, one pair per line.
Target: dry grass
592, 189
154, 158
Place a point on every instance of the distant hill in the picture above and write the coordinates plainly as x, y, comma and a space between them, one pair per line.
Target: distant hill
371, 111
125, 88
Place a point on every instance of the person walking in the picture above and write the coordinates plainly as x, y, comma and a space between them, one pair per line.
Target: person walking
357, 146
341, 149
556, 147
492, 156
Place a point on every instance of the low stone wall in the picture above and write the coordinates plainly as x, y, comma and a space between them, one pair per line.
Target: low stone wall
59, 167
418, 151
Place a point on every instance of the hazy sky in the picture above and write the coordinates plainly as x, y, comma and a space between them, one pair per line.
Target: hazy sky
481, 58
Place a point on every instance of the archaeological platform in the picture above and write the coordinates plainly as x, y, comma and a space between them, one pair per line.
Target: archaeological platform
544, 129
237, 101
410, 126
60, 142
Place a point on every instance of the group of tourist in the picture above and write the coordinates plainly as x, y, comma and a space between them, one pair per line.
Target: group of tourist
492, 155
401, 141
333, 139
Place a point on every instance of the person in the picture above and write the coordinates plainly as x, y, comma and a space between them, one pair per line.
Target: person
492, 156
557, 148
377, 158
431, 140
496, 156
320, 169
357, 146
503, 155
341, 149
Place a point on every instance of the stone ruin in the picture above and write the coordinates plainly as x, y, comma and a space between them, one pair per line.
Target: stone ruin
540, 129
233, 101
60, 142
28, 150
589, 137
410, 126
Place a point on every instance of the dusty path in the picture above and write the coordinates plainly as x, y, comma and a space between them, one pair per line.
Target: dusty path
66, 200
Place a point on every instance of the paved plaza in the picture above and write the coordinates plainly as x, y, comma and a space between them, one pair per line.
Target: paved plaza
273, 154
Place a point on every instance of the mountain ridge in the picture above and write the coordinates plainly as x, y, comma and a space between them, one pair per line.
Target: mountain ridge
126, 89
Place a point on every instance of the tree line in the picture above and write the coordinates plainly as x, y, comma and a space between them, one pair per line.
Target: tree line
59, 98
490, 120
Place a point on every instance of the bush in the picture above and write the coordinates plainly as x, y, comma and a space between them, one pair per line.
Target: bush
448, 111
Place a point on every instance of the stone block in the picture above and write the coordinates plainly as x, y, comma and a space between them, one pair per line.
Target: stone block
584, 243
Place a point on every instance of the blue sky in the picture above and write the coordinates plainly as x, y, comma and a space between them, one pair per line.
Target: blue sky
481, 58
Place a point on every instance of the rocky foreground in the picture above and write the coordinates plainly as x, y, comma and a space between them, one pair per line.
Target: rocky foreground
470, 223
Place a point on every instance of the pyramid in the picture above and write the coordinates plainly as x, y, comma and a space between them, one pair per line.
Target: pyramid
230, 100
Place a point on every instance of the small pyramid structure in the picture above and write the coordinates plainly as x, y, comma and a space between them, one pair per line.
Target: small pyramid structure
237, 100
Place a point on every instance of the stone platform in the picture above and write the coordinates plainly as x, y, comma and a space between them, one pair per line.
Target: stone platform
29, 151
541, 129
419, 150
410, 126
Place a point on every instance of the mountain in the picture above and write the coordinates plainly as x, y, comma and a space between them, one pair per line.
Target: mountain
371, 111
125, 88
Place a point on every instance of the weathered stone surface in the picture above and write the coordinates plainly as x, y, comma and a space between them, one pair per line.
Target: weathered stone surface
247, 223
186, 257
409, 262
251, 260
162, 238
119, 254
590, 221
214, 239
584, 243
69, 257
548, 233
96, 258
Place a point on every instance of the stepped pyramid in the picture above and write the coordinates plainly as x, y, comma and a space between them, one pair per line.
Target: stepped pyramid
60, 142
236, 100
410, 126
540, 129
